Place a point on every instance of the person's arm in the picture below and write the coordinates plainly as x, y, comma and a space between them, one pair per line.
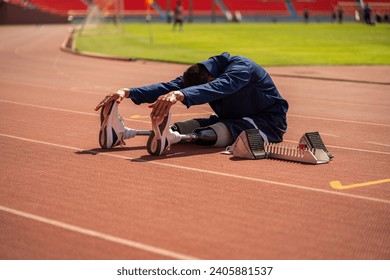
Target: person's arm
150, 93
145, 94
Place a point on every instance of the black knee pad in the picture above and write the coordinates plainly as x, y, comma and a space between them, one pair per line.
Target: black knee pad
205, 136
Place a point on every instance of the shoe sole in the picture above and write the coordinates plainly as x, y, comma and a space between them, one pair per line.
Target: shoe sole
153, 145
105, 132
157, 140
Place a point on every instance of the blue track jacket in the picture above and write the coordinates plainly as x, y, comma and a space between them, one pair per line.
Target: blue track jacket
241, 88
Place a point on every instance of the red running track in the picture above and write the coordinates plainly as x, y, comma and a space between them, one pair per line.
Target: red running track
64, 198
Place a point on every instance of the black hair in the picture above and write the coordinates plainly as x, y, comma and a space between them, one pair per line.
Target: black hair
196, 74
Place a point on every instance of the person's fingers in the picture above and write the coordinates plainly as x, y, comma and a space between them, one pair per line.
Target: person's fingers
156, 110
101, 104
160, 109
164, 111
107, 99
155, 107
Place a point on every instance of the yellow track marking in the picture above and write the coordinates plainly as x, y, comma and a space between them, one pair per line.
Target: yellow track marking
338, 186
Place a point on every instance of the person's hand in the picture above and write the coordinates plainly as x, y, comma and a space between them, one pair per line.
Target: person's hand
163, 104
119, 95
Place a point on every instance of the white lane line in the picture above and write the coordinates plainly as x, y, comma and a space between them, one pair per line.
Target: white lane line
65, 110
337, 120
288, 115
49, 108
79, 89
217, 173
359, 150
97, 234
137, 119
379, 144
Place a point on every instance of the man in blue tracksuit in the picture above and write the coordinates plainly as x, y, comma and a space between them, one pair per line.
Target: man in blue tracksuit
240, 92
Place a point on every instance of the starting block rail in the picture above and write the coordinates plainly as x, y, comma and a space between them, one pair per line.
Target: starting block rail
251, 145
291, 153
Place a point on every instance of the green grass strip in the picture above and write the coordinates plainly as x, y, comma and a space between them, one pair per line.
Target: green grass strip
266, 43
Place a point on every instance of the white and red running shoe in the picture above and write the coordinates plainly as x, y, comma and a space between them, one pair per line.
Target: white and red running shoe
161, 138
112, 127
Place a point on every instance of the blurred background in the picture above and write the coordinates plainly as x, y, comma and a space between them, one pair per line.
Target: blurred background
76, 11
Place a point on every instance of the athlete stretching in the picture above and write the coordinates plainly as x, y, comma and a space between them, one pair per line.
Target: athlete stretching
240, 92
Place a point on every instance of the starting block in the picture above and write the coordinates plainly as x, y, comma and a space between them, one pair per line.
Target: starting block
250, 145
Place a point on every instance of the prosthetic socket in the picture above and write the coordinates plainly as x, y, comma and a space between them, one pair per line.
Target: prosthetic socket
200, 136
